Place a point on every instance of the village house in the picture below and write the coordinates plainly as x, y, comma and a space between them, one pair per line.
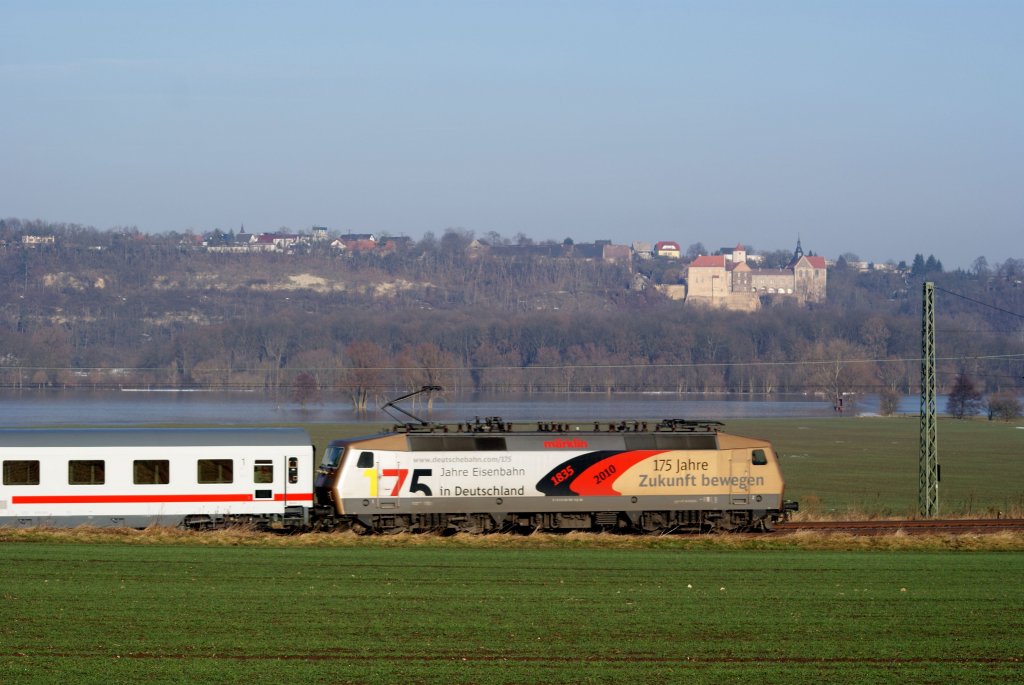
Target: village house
617, 253
643, 250
37, 240
668, 248
358, 242
275, 242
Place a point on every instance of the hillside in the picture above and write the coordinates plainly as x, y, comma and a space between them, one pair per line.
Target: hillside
121, 308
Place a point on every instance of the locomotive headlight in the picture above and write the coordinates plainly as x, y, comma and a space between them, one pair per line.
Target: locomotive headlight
757, 498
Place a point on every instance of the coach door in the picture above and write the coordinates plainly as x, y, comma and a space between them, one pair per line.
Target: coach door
265, 480
739, 477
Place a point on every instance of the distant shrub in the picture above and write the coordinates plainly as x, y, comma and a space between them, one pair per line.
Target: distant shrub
889, 401
305, 389
1004, 406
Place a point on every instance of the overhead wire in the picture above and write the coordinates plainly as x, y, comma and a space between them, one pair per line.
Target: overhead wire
979, 302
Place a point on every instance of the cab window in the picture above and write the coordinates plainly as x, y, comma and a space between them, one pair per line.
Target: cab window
332, 457
365, 460
759, 458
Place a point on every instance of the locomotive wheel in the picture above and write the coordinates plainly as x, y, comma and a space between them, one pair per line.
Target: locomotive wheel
722, 524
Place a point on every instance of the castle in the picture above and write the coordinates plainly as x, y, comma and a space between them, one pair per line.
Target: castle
728, 280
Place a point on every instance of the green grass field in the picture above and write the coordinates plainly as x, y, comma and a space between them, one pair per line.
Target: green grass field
434, 611
869, 466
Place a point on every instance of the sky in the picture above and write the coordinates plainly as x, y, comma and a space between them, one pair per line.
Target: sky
881, 128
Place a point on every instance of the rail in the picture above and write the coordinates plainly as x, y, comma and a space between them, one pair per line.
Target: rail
910, 526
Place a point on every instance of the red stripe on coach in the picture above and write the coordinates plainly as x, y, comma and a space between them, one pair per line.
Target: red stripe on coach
152, 499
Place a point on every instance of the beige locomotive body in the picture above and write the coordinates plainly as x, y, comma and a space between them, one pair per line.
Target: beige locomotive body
495, 476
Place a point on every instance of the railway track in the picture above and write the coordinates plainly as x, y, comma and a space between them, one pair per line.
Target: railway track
912, 527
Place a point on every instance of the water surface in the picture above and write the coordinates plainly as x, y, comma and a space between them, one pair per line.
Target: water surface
113, 407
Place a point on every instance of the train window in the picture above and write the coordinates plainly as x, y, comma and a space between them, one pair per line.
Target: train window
293, 469
332, 457
21, 473
758, 458
151, 472
216, 471
263, 472
365, 460
86, 472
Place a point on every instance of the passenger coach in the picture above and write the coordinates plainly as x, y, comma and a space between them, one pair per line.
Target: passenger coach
137, 477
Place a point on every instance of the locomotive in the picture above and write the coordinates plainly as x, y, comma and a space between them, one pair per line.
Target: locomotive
491, 475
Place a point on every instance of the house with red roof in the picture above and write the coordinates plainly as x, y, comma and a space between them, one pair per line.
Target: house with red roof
668, 248
708, 277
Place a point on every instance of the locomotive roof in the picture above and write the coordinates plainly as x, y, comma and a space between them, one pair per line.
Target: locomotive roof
492, 433
495, 424
147, 437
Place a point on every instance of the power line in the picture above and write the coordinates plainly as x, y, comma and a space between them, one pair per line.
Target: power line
546, 367
979, 302
977, 330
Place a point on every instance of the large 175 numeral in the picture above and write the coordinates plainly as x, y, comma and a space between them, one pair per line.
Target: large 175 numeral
400, 475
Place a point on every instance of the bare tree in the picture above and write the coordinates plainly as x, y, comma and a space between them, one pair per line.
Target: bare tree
427, 364
364, 372
893, 377
840, 373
